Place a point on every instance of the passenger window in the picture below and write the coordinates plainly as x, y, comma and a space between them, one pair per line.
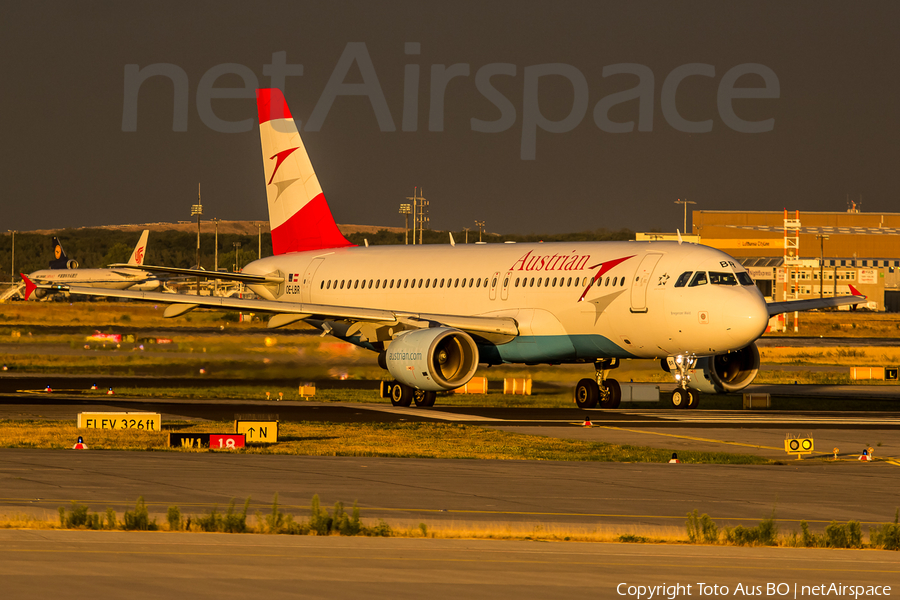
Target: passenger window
554, 282
370, 283
717, 278
517, 281
342, 284
745, 278
427, 281
478, 283
683, 279
456, 283
434, 284
442, 283
699, 279
606, 283
377, 281
494, 284
539, 282
506, 282
420, 283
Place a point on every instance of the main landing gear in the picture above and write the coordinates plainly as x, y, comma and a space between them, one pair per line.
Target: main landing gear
682, 396
404, 395
605, 392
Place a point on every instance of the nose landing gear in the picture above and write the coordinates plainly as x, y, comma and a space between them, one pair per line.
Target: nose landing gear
683, 396
605, 392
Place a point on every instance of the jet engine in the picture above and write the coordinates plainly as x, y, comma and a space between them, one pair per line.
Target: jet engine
729, 372
436, 359
72, 264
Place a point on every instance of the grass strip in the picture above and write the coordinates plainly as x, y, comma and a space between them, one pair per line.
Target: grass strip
396, 440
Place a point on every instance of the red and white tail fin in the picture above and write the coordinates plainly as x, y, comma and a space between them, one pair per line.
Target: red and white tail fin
140, 251
298, 213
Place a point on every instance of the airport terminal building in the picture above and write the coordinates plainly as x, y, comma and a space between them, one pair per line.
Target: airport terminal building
793, 254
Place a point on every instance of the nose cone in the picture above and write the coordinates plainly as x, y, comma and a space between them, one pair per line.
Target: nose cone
749, 317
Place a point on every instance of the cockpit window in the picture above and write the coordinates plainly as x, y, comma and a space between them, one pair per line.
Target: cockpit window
717, 278
683, 279
699, 279
745, 278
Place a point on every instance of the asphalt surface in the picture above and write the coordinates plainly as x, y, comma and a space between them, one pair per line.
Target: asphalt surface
91, 565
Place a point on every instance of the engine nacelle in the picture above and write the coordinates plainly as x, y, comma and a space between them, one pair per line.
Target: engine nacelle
433, 360
72, 264
722, 373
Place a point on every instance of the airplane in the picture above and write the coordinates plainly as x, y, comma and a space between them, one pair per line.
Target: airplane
65, 271
435, 313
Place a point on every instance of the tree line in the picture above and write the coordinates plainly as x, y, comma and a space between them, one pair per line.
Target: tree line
93, 248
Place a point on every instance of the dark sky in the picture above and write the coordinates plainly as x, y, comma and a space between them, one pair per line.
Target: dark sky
66, 161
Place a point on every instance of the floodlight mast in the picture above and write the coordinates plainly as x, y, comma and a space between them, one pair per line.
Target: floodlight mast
197, 209
685, 202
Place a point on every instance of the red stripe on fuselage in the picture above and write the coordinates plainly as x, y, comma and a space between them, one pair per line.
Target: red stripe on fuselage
270, 104
310, 228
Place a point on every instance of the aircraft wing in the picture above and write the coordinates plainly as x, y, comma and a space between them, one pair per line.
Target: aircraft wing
776, 308
242, 277
286, 313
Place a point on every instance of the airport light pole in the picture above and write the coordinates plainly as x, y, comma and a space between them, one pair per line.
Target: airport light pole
12, 268
685, 202
822, 237
466, 229
259, 236
197, 209
216, 259
480, 225
237, 256
405, 210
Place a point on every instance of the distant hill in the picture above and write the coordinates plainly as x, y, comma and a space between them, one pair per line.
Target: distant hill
235, 227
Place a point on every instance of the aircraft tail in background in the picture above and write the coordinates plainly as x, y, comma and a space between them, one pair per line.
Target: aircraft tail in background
60, 260
299, 216
140, 251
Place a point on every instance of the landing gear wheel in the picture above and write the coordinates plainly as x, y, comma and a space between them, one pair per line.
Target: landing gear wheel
424, 399
681, 398
401, 395
693, 399
613, 396
587, 393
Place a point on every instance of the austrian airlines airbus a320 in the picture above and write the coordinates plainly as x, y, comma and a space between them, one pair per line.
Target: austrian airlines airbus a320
434, 313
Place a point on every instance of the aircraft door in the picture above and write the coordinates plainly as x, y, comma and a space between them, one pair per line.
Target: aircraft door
641, 282
504, 291
495, 280
306, 284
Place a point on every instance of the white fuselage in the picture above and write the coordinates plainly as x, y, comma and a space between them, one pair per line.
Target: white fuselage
114, 279
632, 310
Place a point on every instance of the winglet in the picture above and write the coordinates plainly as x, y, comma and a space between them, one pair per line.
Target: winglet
679, 236
856, 292
452, 241
30, 286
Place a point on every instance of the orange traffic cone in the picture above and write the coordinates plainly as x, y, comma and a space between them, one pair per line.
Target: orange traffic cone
587, 422
864, 456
